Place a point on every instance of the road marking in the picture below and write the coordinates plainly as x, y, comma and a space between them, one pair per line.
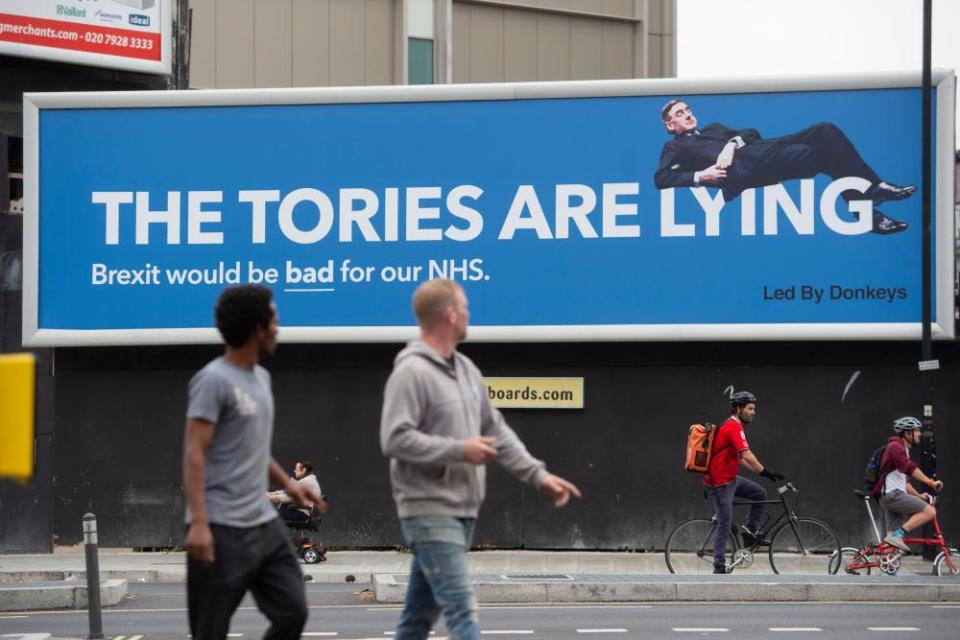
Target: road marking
234, 635
601, 630
507, 632
893, 629
795, 629
10, 618
135, 637
326, 634
700, 629
27, 636
946, 606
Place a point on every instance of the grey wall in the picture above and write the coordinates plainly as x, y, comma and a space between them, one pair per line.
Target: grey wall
119, 421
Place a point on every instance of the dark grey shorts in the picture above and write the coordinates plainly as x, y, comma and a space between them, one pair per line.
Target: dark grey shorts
899, 506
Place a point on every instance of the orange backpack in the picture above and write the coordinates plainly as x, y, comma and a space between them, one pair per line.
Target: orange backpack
700, 447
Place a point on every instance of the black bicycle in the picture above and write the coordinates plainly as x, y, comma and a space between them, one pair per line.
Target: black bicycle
796, 545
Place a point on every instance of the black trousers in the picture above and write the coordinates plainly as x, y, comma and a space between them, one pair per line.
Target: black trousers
258, 559
822, 148
292, 514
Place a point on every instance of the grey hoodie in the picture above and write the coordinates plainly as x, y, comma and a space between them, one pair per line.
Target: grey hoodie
430, 409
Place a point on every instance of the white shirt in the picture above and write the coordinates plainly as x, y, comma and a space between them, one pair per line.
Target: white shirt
896, 479
312, 485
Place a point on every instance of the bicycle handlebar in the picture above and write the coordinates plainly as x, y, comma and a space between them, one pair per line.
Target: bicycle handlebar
788, 486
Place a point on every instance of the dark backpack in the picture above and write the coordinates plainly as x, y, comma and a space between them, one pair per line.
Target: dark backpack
871, 473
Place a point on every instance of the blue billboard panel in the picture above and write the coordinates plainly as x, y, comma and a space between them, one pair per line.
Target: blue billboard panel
576, 211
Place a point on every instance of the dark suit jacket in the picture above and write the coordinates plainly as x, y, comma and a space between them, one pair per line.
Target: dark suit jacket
690, 152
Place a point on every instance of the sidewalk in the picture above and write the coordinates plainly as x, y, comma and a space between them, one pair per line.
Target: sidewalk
361, 566
513, 576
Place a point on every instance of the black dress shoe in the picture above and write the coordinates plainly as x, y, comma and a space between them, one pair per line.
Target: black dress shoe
885, 225
720, 570
884, 191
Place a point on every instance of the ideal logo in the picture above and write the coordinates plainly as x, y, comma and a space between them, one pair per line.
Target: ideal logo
139, 20
72, 12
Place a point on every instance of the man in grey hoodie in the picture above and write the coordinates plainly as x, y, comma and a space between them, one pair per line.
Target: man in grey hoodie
439, 430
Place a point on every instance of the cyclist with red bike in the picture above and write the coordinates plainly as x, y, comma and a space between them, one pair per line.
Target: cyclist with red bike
907, 509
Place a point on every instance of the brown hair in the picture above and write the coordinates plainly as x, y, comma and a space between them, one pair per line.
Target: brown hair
432, 297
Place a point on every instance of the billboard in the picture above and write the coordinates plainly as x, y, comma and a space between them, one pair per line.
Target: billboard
751, 209
120, 34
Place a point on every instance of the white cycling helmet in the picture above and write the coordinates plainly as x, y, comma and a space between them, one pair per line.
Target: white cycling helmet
906, 423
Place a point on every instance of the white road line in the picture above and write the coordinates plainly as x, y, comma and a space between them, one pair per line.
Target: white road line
893, 629
324, 634
10, 618
234, 635
946, 606
601, 630
700, 629
507, 632
136, 637
798, 629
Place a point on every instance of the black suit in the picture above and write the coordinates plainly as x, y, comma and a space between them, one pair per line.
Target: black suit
822, 148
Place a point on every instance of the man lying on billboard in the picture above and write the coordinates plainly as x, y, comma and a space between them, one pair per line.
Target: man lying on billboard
735, 160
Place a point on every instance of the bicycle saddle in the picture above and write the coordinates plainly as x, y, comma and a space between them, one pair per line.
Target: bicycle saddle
863, 495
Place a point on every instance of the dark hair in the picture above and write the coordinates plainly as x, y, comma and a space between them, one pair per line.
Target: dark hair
306, 465
240, 310
665, 112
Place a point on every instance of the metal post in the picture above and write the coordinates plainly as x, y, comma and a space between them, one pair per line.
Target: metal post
93, 576
928, 449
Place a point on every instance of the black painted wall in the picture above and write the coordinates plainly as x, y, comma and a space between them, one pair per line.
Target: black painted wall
120, 417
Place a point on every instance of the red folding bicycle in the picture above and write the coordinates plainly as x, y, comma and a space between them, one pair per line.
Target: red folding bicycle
886, 558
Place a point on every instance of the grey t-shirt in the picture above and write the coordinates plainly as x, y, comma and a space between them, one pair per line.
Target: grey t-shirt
239, 403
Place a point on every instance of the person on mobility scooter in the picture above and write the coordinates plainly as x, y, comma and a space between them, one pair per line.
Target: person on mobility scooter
300, 520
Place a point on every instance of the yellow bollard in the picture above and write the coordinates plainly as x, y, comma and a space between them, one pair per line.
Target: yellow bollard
17, 389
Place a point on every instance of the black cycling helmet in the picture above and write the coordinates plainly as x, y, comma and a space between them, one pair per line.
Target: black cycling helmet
906, 423
741, 398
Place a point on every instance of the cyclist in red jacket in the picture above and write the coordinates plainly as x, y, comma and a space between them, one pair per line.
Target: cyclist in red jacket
730, 450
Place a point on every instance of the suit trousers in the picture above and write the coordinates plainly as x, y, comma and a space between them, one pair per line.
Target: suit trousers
822, 148
258, 559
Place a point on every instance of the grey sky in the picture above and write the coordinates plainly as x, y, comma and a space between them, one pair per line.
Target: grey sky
792, 37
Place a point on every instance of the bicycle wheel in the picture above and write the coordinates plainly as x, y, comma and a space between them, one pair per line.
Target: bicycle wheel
803, 545
944, 566
690, 547
848, 560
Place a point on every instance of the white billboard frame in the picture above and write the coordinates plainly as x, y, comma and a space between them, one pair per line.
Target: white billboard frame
942, 326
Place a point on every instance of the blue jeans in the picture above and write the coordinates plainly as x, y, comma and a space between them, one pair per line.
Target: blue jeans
722, 497
439, 580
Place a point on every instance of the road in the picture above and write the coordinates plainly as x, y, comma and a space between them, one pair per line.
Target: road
346, 612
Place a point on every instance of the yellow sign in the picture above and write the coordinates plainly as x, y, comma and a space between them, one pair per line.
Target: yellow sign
17, 375
535, 393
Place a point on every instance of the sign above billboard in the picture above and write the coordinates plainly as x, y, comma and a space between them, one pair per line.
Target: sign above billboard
120, 34
570, 211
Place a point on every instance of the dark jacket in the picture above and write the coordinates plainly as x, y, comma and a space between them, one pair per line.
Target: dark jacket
695, 151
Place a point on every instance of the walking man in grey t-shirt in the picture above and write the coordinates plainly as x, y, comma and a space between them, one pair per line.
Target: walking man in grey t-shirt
235, 542
439, 430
